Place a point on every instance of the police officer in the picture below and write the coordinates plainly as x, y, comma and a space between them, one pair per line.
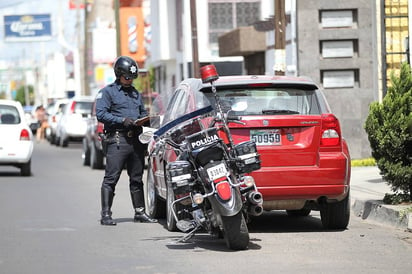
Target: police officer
118, 106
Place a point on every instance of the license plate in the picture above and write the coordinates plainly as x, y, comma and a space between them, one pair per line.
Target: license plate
266, 137
217, 171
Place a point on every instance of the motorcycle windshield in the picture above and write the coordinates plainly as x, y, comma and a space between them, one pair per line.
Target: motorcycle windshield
184, 103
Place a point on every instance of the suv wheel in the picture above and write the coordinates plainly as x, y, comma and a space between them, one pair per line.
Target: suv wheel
25, 169
64, 142
335, 215
96, 158
86, 153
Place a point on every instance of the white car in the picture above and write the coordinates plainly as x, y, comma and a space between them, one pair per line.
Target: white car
73, 121
16, 137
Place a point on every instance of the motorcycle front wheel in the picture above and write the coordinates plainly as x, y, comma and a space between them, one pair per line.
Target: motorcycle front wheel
236, 233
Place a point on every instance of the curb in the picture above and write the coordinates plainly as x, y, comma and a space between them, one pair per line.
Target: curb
410, 222
389, 215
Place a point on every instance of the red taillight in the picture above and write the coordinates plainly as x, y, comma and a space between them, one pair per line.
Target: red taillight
100, 128
24, 135
330, 130
224, 190
72, 107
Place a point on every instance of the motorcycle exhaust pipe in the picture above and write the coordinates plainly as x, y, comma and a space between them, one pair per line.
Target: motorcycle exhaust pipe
255, 210
254, 197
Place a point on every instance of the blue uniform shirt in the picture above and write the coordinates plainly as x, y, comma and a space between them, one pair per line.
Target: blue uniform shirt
114, 103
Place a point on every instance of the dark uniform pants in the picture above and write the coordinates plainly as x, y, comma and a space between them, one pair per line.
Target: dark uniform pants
131, 152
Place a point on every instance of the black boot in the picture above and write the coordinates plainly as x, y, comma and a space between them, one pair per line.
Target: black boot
141, 216
138, 205
107, 201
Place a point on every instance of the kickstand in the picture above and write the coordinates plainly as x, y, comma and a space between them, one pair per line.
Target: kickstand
189, 235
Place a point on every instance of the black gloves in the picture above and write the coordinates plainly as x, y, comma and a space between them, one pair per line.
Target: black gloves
127, 122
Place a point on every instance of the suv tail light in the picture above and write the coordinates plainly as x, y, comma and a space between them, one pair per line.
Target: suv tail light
72, 107
100, 127
330, 131
24, 135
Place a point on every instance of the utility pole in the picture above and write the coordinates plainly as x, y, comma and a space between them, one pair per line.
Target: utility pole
280, 38
117, 20
195, 52
86, 51
81, 50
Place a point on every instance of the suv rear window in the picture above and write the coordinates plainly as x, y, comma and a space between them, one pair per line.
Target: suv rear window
83, 107
270, 101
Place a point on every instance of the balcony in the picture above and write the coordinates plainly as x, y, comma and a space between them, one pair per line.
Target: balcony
242, 41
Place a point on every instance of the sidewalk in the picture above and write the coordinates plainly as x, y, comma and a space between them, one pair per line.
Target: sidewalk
367, 192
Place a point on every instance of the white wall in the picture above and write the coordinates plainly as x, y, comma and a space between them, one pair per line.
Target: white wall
56, 76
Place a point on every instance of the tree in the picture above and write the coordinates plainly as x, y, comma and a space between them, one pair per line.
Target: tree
389, 129
21, 96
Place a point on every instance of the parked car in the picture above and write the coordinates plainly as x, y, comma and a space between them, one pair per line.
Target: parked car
16, 137
54, 111
92, 154
29, 112
73, 121
305, 161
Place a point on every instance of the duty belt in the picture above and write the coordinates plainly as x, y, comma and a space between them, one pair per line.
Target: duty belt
123, 133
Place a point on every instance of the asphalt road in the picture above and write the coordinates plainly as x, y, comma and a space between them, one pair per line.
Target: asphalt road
50, 224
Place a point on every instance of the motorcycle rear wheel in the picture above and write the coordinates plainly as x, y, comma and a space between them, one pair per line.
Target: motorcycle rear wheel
236, 233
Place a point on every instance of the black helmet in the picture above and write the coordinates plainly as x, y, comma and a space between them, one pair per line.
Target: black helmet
125, 66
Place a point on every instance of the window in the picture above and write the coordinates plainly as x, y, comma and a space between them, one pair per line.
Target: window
339, 78
9, 115
338, 48
337, 18
225, 16
258, 101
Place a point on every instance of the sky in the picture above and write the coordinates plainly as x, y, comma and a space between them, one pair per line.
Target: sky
16, 52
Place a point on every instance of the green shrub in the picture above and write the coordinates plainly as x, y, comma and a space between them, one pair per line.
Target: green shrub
389, 129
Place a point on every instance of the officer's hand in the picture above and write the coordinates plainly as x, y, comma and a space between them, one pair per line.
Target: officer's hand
127, 122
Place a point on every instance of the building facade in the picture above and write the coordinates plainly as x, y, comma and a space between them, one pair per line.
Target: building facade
349, 48
337, 47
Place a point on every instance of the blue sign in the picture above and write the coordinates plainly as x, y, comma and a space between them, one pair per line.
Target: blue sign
30, 27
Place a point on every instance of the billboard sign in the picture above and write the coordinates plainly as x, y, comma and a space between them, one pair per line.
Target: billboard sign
30, 27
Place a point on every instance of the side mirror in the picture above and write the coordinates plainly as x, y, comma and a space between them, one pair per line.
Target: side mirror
145, 137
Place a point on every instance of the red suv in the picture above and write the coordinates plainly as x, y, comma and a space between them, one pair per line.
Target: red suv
305, 161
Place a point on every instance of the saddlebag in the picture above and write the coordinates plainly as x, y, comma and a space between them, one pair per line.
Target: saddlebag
247, 157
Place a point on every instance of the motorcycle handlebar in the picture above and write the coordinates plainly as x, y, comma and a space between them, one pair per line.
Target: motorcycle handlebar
235, 119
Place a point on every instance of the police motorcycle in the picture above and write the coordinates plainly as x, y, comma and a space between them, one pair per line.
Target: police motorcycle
196, 174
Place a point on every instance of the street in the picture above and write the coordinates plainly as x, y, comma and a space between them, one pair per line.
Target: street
50, 224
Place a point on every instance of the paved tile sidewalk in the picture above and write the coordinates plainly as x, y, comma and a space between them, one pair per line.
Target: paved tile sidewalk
367, 192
